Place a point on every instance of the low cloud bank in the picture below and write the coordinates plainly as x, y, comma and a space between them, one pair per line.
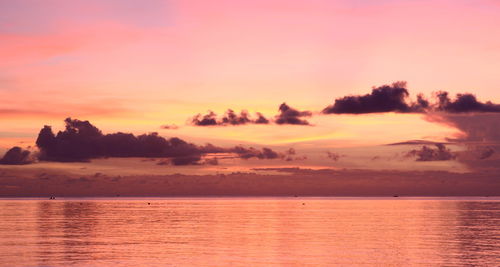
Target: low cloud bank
246, 153
426, 153
17, 156
333, 156
82, 141
34, 182
476, 156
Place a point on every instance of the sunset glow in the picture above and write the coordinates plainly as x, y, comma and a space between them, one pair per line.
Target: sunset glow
249, 133
133, 67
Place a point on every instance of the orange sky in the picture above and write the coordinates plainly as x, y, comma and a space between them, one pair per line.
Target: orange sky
134, 66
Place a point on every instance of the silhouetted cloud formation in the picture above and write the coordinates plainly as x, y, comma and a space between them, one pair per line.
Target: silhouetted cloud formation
261, 119
246, 153
463, 103
289, 115
385, 98
209, 119
16, 156
81, 141
229, 118
394, 98
440, 153
286, 115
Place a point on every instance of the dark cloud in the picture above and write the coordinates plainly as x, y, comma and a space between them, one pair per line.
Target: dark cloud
192, 160
394, 98
291, 155
246, 153
421, 105
209, 119
82, 141
261, 119
186, 160
385, 98
440, 153
169, 127
298, 170
481, 158
209, 148
415, 142
264, 153
289, 115
211, 161
463, 103
333, 156
16, 156
229, 118
291, 151
487, 153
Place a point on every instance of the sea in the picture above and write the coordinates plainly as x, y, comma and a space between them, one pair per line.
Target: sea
248, 231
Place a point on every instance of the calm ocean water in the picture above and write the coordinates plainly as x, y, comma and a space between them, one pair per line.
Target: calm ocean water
250, 232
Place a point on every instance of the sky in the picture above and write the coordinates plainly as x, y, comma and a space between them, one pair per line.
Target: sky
325, 77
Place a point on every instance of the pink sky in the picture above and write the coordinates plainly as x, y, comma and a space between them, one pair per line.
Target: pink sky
136, 65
